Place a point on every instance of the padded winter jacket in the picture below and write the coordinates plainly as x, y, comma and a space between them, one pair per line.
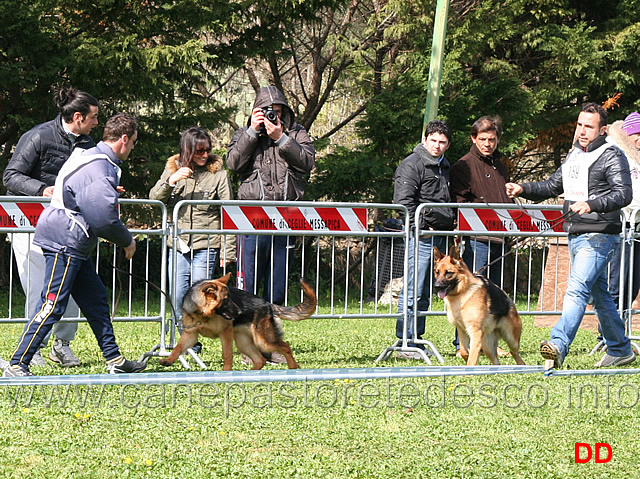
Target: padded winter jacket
617, 136
421, 178
38, 157
84, 206
208, 182
609, 190
272, 170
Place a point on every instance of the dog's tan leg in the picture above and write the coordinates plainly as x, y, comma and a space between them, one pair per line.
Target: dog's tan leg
463, 339
512, 337
490, 347
514, 346
516, 356
476, 348
226, 338
285, 350
187, 339
245, 344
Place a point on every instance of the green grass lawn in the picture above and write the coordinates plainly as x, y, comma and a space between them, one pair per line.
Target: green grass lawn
461, 427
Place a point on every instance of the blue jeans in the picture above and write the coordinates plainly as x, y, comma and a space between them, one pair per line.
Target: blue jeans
590, 253
262, 265
478, 254
191, 268
423, 288
614, 274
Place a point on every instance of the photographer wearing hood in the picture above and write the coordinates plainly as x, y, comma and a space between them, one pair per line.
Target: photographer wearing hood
273, 156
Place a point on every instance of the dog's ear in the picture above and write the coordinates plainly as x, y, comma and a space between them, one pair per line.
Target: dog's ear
225, 279
454, 253
215, 292
211, 289
437, 255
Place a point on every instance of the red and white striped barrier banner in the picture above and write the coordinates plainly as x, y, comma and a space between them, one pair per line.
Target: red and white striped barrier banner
293, 218
521, 220
16, 215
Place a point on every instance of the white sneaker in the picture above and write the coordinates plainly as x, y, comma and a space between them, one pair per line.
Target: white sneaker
37, 359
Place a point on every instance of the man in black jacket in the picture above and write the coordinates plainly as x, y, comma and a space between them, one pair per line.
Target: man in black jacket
32, 171
596, 183
423, 177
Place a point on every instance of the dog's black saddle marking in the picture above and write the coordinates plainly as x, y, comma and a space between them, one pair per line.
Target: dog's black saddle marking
499, 302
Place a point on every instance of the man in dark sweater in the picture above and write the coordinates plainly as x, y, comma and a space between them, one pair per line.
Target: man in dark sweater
479, 177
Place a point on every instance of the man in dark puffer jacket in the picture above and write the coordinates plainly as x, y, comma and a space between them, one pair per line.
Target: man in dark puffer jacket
423, 177
596, 183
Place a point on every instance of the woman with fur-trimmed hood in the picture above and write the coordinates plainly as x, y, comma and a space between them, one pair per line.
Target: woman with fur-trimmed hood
626, 136
196, 174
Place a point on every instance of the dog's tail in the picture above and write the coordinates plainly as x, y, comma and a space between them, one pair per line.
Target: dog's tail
303, 310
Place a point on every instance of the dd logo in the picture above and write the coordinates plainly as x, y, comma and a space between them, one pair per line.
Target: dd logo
598, 446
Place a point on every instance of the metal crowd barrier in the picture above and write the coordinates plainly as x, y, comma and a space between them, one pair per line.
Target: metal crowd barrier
334, 249
131, 282
356, 272
527, 239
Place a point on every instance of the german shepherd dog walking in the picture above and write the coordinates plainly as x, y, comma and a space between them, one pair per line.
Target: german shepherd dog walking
481, 311
214, 309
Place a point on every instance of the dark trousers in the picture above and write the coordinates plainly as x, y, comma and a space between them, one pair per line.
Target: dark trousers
617, 287
67, 276
262, 265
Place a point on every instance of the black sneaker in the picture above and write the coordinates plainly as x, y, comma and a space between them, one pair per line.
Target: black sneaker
16, 372
121, 365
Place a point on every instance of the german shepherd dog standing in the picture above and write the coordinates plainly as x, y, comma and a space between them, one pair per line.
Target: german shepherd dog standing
481, 311
214, 309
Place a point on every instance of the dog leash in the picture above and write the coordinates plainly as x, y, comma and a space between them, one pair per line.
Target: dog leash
150, 283
530, 239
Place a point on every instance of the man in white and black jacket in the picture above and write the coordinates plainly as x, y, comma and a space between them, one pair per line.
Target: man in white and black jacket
596, 183
423, 177
32, 171
84, 207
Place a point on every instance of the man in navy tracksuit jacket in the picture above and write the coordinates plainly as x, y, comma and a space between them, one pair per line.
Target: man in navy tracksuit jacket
84, 207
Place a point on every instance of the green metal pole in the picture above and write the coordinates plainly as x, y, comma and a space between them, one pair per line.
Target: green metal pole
435, 66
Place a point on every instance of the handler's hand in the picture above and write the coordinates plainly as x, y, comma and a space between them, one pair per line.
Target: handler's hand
580, 207
130, 250
513, 189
